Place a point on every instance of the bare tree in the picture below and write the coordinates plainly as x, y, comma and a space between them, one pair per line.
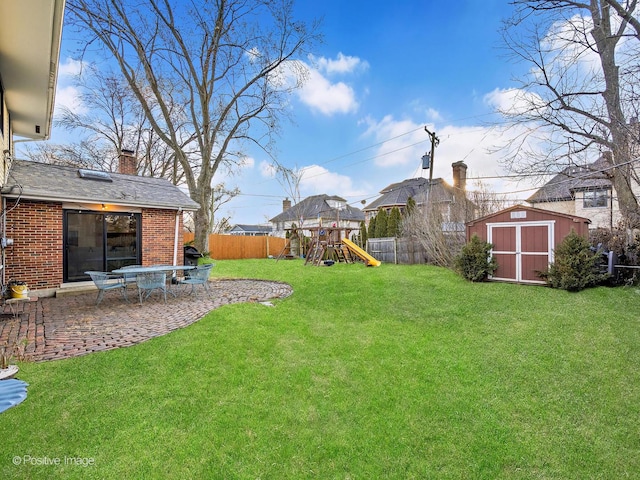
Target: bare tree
220, 196
581, 90
230, 64
289, 179
111, 120
487, 201
438, 225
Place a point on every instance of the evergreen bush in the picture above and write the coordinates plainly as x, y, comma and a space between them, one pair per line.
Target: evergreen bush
394, 223
363, 235
474, 262
381, 224
576, 266
372, 228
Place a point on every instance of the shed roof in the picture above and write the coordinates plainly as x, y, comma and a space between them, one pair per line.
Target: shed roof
55, 183
572, 179
540, 211
317, 206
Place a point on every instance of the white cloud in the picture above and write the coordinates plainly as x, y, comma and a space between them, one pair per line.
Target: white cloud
318, 180
326, 97
563, 46
404, 141
433, 115
247, 163
514, 101
342, 64
267, 169
318, 92
70, 67
69, 97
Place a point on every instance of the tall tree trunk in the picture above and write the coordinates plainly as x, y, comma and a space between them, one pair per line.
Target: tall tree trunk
606, 43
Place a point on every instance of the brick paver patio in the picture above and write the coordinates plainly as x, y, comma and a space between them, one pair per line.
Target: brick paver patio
56, 328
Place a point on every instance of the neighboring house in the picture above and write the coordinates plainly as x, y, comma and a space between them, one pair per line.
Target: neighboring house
250, 230
448, 197
64, 221
583, 191
317, 211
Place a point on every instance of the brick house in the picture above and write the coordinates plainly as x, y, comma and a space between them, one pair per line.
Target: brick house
451, 200
58, 222
62, 221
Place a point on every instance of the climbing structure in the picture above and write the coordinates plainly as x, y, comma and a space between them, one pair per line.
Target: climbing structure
332, 244
328, 244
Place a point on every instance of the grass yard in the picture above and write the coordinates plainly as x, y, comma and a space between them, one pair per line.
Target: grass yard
363, 373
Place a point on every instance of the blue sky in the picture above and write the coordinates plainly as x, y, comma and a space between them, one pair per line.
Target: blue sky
385, 70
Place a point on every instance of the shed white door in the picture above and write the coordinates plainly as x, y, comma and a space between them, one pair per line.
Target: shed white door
521, 249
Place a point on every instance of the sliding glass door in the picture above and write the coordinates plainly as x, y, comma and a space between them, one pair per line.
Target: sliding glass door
99, 241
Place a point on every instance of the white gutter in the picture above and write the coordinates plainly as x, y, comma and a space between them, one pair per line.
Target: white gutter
175, 241
46, 198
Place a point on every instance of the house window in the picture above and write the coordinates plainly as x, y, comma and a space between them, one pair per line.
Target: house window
99, 241
596, 199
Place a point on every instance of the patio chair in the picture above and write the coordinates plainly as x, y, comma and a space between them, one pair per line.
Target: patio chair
150, 281
197, 276
129, 278
105, 281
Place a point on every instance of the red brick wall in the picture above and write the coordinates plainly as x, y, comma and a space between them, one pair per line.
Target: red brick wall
36, 256
158, 230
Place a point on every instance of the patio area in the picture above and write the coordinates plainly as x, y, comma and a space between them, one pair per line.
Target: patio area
57, 328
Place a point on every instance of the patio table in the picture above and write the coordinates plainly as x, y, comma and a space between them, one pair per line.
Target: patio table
154, 268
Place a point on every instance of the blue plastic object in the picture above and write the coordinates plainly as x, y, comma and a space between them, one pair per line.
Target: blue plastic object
12, 392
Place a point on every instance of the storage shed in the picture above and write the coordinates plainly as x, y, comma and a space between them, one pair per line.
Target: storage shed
524, 239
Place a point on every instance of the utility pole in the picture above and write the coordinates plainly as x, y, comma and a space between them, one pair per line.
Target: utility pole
427, 159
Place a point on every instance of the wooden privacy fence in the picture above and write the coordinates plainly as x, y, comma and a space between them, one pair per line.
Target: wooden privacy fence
406, 251
235, 247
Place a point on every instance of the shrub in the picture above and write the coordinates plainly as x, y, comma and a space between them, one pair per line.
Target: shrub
382, 219
474, 262
576, 265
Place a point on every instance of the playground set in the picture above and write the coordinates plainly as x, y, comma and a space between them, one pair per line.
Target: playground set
328, 245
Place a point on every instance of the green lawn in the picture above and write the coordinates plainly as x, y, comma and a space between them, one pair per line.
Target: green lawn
363, 373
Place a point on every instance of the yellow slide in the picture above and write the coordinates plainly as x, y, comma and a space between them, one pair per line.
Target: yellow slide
356, 250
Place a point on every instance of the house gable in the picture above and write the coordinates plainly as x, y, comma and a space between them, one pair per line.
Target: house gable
582, 191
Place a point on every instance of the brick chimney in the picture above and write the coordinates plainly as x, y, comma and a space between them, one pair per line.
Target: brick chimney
286, 204
459, 175
128, 163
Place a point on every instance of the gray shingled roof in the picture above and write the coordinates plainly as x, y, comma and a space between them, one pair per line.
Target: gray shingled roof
41, 181
397, 194
317, 206
572, 179
251, 228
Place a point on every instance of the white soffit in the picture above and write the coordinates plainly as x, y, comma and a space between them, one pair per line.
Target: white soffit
30, 39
